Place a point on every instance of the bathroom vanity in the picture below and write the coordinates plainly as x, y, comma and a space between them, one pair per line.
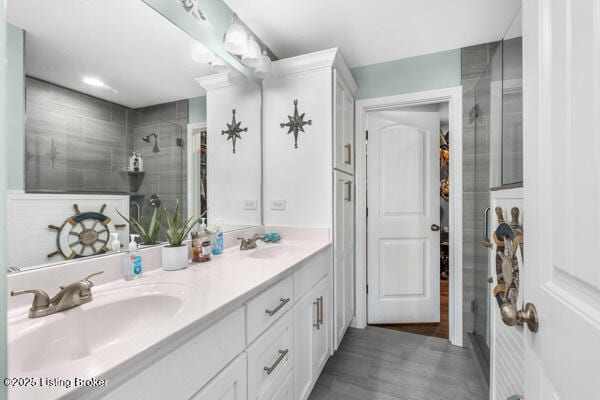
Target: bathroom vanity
254, 324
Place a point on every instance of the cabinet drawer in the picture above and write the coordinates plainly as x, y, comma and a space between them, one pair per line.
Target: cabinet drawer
266, 308
230, 384
284, 392
270, 358
312, 272
187, 369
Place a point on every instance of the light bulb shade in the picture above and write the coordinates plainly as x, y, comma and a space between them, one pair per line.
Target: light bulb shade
202, 55
236, 38
219, 66
264, 70
252, 57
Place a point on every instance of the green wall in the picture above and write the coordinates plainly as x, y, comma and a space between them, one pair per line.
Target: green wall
415, 74
15, 113
197, 109
3, 172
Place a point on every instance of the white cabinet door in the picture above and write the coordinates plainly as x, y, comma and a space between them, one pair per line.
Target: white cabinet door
311, 337
561, 76
321, 333
305, 322
343, 121
230, 384
343, 272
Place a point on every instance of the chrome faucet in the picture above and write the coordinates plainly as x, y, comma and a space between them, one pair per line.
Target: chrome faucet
69, 296
249, 244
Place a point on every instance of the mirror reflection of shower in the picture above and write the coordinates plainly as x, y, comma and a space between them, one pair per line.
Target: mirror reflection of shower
147, 140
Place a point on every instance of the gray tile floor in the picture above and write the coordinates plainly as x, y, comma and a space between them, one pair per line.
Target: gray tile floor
381, 364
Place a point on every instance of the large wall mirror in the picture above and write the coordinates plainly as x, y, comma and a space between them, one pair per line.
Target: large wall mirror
111, 112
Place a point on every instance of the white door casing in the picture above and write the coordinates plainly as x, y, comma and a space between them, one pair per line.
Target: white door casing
403, 203
453, 96
561, 64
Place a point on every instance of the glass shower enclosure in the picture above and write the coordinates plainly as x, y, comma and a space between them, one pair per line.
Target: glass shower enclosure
496, 116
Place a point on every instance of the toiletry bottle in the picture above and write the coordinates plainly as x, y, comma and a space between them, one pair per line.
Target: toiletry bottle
204, 240
132, 261
218, 245
115, 245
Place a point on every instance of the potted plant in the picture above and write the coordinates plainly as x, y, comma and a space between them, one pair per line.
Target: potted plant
175, 254
149, 233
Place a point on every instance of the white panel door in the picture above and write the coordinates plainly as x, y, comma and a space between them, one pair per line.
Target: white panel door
403, 205
561, 64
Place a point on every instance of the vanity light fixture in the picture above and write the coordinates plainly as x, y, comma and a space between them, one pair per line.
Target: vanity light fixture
252, 58
265, 69
191, 6
219, 66
236, 38
95, 82
201, 54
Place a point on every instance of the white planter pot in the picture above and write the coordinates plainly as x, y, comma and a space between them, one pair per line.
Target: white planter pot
174, 258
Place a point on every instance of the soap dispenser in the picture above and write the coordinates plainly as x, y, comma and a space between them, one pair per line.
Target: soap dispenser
115, 245
132, 261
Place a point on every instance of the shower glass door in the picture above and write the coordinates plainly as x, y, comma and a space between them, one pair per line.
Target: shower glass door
488, 129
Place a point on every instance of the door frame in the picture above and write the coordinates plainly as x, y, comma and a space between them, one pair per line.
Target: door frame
453, 96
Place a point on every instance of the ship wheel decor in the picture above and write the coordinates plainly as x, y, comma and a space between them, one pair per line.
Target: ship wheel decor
233, 130
83, 234
296, 123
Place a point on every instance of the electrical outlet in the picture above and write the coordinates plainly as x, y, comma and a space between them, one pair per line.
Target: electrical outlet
278, 205
250, 205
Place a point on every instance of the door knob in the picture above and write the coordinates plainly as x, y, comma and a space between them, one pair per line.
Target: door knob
435, 227
527, 316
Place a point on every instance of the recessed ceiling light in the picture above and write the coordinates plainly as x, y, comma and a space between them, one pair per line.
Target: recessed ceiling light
93, 81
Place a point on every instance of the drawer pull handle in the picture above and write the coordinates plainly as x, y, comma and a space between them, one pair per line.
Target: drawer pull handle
282, 354
320, 313
348, 159
283, 303
317, 325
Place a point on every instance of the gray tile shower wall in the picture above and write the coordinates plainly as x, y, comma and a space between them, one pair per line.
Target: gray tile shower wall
475, 183
74, 142
79, 143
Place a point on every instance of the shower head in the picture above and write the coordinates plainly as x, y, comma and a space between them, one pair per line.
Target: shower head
147, 140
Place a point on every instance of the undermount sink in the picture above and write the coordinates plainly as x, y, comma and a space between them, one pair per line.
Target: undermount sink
113, 317
274, 251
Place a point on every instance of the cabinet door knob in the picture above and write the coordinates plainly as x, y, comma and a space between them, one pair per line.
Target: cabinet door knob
435, 227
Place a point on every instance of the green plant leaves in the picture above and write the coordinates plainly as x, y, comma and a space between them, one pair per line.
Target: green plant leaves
149, 233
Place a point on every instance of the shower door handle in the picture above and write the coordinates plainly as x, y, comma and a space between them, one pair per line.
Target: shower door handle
486, 238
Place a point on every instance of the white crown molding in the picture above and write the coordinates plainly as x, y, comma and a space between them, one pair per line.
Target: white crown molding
214, 81
330, 58
305, 62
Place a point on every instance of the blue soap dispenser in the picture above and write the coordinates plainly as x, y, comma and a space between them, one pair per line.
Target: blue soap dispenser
132, 261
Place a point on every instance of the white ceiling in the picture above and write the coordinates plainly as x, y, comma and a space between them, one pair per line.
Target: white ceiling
140, 55
370, 32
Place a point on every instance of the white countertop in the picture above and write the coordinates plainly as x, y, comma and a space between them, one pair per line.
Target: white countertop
210, 291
